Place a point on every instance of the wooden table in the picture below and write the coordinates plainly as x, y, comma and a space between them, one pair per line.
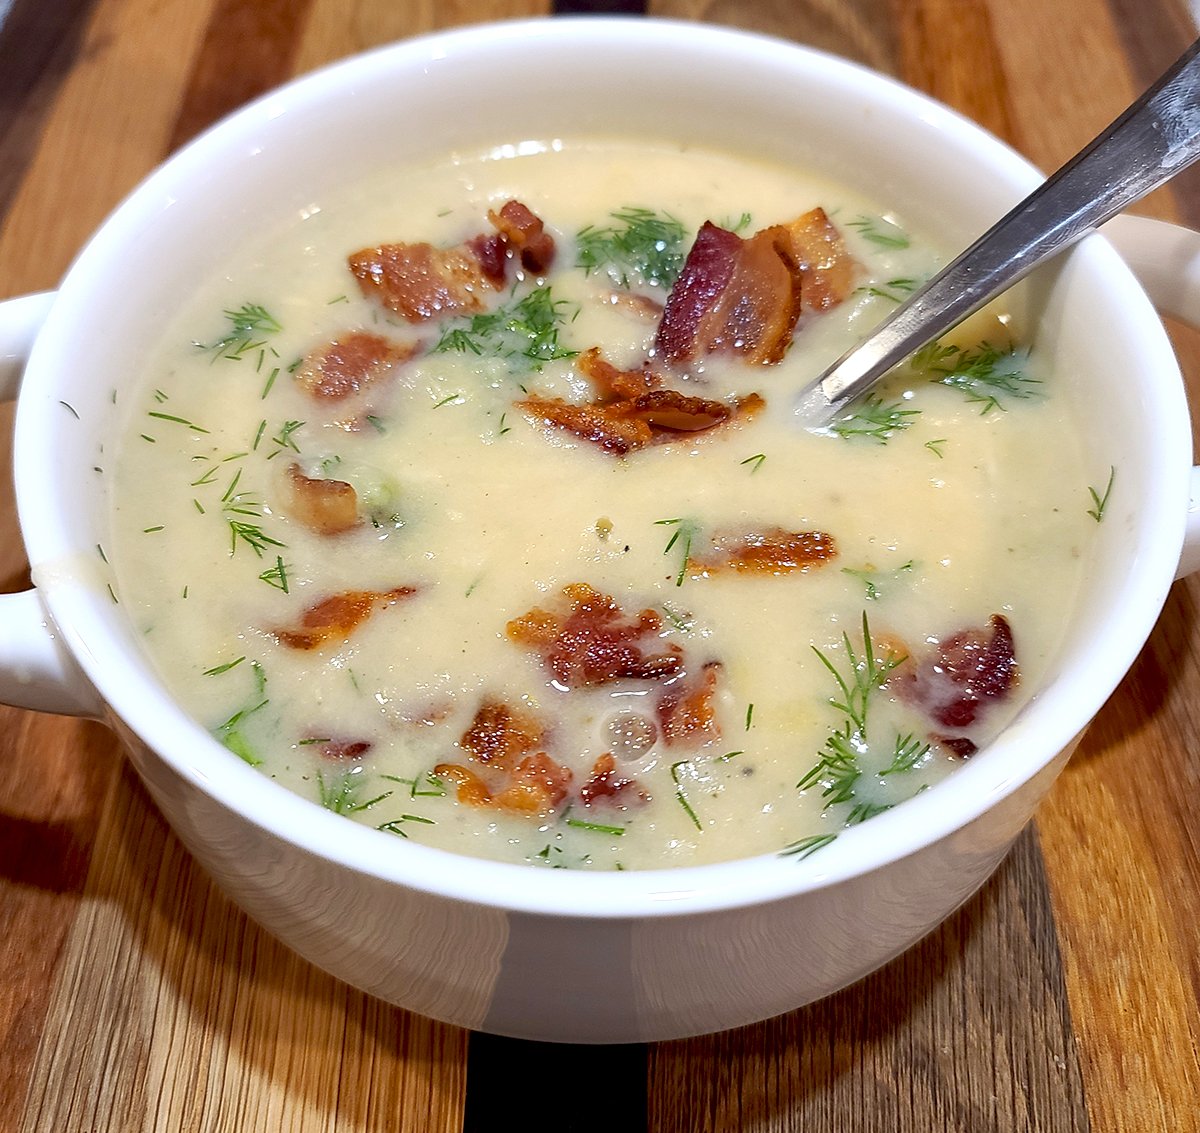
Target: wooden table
1064, 997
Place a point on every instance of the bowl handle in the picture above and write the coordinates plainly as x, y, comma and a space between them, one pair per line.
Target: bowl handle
36, 670
1166, 260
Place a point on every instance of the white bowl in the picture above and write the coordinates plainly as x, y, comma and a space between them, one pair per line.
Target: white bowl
589, 957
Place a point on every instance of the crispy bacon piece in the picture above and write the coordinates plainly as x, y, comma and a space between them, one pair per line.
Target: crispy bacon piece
337, 617
687, 712
499, 736
593, 643
773, 550
745, 296
606, 785
328, 507
421, 282
631, 411
339, 750
965, 673
336, 370
526, 235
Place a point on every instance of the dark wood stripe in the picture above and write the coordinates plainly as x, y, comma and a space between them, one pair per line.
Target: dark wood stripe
39, 42
600, 7
248, 49
554, 1088
969, 1030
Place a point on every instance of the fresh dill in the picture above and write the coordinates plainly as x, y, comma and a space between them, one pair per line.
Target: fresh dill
596, 827
277, 575
685, 531
216, 670
906, 755
1099, 501
230, 732
875, 419
680, 620
526, 328
640, 246
238, 512
428, 786
249, 327
987, 375
680, 795
880, 231
876, 581
396, 824
806, 846
285, 438
756, 461
893, 290
935, 446
341, 792
177, 421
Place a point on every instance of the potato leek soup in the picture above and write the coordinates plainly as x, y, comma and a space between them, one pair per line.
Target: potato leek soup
473, 506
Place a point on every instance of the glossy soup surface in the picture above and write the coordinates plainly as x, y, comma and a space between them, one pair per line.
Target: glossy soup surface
525, 645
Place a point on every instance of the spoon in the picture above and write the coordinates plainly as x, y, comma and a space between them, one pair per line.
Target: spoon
1155, 138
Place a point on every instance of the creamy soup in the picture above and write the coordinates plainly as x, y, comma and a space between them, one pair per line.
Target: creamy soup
473, 505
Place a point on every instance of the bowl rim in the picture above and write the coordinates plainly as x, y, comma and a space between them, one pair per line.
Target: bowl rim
892, 837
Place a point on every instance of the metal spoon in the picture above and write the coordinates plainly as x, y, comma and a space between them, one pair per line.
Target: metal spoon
1157, 137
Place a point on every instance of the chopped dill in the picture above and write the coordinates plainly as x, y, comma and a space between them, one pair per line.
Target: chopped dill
597, 827
396, 824
74, 413
873, 579
277, 575
894, 290
681, 620
935, 446
806, 846
1100, 502
880, 231
218, 669
756, 460
525, 329
428, 786
641, 246
749, 715
680, 796
240, 530
906, 755
230, 732
248, 327
987, 375
685, 529
341, 793
874, 419
285, 438
176, 420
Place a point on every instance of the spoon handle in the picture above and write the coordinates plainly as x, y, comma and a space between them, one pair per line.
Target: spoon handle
1154, 139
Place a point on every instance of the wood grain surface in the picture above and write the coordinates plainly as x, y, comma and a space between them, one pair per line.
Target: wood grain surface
1063, 998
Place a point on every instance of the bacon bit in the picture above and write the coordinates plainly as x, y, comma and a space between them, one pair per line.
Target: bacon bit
770, 551
605, 785
631, 411
420, 282
612, 384
339, 750
745, 296
827, 269
591, 644
535, 786
336, 370
498, 736
328, 507
687, 710
969, 670
338, 616
957, 745
525, 235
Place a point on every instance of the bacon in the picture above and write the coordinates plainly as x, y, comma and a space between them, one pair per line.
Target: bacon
605, 785
773, 550
630, 411
421, 282
337, 617
499, 736
339, 750
327, 507
526, 235
687, 712
961, 677
336, 370
745, 296
536, 785
593, 643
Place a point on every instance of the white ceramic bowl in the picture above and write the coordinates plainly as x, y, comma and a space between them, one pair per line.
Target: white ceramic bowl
549, 954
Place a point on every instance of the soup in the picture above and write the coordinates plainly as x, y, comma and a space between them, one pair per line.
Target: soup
473, 505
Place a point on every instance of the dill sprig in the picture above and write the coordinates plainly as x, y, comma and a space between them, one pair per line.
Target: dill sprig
987, 374
642, 246
907, 753
875, 419
249, 327
894, 290
527, 328
239, 511
685, 530
874, 580
880, 231
806, 846
230, 732
341, 793
680, 795
1100, 502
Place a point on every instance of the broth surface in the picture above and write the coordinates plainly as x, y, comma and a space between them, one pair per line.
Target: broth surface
473, 514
